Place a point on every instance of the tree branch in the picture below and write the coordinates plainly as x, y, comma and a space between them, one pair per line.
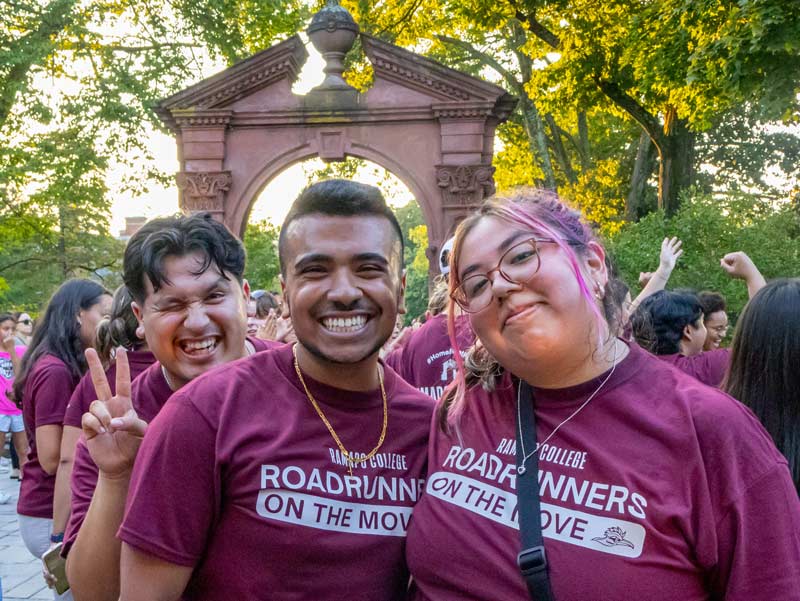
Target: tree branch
537, 28
486, 59
618, 96
22, 262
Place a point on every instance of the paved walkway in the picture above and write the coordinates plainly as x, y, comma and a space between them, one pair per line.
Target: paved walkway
20, 571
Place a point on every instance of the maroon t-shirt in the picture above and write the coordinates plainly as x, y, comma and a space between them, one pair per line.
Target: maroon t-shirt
426, 361
708, 367
239, 478
84, 393
149, 393
44, 400
660, 489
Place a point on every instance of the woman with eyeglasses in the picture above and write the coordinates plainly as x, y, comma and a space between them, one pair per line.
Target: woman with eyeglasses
24, 329
651, 485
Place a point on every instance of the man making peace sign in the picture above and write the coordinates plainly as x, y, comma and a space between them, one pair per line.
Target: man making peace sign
186, 278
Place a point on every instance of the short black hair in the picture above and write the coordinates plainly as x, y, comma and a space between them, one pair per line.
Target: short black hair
179, 236
712, 302
7, 317
338, 198
659, 320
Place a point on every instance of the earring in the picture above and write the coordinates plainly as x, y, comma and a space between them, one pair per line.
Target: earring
598, 291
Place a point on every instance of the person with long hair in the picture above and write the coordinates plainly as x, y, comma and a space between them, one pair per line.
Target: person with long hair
651, 485
763, 372
51, 368
118, 330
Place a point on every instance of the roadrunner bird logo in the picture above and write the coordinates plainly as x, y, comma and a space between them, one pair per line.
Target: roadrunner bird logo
614, 537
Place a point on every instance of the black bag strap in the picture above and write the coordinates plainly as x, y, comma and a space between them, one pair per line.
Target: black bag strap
532, 560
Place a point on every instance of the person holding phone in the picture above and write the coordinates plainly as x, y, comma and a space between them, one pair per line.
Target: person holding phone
51, 368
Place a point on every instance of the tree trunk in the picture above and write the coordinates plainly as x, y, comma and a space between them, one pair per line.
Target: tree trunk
534, 128
62, 243
676, 165
642, 170
560, 151
583, 138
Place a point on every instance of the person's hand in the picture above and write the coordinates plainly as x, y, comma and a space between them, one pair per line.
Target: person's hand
738, 265
112, 429
268, 329
49, 579
670, 252
285, 330
8, 345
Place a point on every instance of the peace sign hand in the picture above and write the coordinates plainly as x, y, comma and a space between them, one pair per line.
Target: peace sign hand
112, 429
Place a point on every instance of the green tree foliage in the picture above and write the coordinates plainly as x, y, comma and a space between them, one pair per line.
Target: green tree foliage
415, 235
591, 76
710, 227
261, 244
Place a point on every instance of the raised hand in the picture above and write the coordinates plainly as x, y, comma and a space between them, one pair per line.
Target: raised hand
670, 251
111, 427
738, 265
7, 344
268, 329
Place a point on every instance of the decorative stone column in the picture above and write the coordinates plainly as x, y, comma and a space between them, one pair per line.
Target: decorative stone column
204, 191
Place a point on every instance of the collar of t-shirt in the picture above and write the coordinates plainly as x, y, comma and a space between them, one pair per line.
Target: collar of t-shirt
329, 395
575, 395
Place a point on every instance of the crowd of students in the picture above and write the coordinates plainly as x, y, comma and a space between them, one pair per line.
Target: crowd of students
190, 439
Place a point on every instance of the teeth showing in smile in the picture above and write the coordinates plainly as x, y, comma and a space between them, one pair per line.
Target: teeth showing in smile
201, 345
344, 324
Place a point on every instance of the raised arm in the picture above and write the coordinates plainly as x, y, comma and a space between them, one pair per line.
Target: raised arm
113, 434
739, 265
653, 282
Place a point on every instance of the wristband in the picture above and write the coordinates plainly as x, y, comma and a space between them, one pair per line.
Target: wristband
57, 538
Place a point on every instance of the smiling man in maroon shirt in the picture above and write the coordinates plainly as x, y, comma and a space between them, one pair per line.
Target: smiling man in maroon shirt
291, 474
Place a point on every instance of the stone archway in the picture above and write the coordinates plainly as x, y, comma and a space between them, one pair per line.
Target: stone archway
431, 126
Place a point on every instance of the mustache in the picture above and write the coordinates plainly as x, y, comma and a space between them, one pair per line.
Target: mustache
357, 305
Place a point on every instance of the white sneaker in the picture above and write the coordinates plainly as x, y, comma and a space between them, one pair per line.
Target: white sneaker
4, 498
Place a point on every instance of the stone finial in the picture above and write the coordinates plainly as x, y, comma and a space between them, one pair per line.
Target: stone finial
333, 31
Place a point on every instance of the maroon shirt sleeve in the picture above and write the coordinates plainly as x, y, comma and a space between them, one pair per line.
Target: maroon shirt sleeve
755, 541
51, 389
170, 512
84, 481
79, 401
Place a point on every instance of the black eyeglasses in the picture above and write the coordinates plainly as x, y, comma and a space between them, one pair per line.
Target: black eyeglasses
518, 265
25, 322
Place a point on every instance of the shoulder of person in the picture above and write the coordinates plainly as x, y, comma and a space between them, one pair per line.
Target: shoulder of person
49, 366
726, 431
255, 374
404, 395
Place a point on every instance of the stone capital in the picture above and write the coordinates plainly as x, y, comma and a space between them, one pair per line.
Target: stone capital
203, 190
464, 186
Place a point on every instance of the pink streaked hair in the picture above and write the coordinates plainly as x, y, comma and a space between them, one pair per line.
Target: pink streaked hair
544, 215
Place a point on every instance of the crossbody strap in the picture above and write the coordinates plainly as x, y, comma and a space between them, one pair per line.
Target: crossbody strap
532, 560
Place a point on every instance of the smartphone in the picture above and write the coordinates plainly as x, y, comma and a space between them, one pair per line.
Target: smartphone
57, 566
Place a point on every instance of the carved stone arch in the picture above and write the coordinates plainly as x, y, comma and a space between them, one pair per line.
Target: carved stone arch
428, 124
237, 221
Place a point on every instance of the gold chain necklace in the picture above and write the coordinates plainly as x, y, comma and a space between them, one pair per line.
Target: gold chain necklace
351, 461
